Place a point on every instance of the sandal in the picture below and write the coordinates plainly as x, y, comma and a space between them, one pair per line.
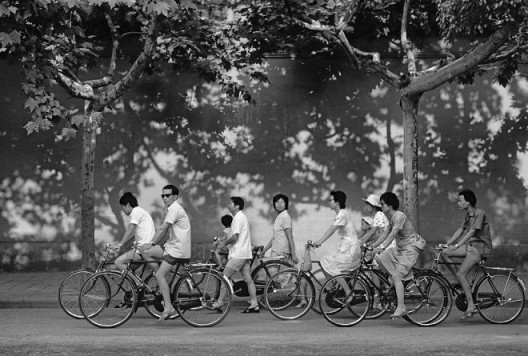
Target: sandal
302, 304
399, 312
166, 314
250, 310
469, 314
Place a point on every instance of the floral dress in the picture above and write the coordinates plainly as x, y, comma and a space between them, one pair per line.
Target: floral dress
348, 255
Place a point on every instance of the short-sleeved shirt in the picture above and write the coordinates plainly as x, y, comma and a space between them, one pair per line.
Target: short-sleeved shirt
346, 231
179, 243
279, 241
406, 233
145, 229
478, 221
241, 249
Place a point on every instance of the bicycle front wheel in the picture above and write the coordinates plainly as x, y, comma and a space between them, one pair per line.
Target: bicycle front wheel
345, 300
377, 283
263, 273
427, 300
108, 299
69, 292
289, 294
318, 279
202, 297
499, 298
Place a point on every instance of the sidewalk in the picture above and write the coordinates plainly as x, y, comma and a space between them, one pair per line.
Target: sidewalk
40, 289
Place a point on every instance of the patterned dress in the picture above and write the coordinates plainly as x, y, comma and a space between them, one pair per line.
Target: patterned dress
348, 255
399, 260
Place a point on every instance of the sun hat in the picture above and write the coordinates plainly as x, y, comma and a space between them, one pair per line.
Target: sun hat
373, 200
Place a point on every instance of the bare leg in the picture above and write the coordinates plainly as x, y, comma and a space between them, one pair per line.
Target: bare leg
164, 288
154, 254
462, 273
246, 274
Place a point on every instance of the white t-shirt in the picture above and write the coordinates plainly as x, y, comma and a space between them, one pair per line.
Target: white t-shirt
242, 247
145, 229
179, 243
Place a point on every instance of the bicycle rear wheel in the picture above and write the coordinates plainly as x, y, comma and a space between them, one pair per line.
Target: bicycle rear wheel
499, 298
341, 307
69, 292
202, 297
289, 294
262, 274
427, 300
108, 299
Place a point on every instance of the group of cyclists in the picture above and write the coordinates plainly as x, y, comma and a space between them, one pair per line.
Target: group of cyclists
395, 243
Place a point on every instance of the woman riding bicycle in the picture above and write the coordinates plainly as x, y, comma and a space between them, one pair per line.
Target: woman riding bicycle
398, 261
473, 241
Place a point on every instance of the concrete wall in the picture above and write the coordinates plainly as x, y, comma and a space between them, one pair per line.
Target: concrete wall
318, 126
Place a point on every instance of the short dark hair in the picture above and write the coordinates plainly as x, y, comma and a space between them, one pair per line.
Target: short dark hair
279, 196
226, 220
339, 197
390, 199
128, 198
238, 201
469, 196
173, 188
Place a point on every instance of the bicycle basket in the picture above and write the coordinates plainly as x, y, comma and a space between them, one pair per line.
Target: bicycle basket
306, 264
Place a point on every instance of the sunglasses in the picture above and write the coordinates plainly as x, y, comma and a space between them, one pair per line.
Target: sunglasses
166, 195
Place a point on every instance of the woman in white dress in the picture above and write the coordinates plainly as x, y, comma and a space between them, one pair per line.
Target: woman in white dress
348, 254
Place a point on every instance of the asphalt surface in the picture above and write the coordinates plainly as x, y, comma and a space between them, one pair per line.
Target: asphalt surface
40, 289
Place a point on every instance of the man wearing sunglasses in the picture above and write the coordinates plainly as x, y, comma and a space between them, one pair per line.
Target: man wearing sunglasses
177, 248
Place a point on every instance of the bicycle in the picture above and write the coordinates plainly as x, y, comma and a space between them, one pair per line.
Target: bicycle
291, 293
262, 271
372, 295
71, 285
498, 294
194, 289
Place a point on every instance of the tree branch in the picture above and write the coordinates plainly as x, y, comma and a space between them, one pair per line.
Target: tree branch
431, 80
135, 71
106, 80
75, 88
405, 42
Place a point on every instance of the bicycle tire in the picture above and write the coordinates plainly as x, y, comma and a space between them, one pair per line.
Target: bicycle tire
341, 308
289, 294
69, 290
318, 279
262, 274
499, 298
196, 293
102, 295
427, 300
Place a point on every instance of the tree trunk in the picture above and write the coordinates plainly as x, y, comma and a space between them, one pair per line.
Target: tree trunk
87, 193
409, 107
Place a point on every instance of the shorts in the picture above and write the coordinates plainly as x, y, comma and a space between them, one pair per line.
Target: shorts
173, 260
472, 254
286, 256
236, 264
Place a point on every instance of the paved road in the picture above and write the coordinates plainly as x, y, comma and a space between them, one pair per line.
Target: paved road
49, 331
